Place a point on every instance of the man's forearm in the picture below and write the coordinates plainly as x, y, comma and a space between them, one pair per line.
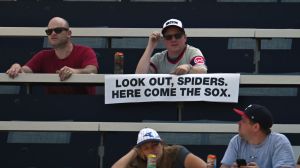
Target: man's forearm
87, 70
198, 70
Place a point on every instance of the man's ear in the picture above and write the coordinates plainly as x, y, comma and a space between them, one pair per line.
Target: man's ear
256, 126
69, 33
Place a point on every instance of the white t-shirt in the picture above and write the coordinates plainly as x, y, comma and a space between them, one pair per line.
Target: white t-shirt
162, 64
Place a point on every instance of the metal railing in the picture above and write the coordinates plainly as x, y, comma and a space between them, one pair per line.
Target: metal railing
98, 79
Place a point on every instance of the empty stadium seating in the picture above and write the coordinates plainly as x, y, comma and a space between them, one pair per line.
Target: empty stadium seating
82, 149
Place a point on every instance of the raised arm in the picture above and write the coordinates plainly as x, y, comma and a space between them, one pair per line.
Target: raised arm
144, 63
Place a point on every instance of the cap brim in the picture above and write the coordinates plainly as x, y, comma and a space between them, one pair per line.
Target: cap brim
165, 28
148, 140
240, 112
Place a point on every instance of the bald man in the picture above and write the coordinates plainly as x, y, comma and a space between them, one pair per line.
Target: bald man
65, 59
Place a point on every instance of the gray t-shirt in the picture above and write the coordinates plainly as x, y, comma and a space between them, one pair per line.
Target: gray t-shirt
162, 64
276, 151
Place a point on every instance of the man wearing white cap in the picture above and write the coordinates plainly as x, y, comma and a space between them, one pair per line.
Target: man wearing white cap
149, 142
178, 58
256, 143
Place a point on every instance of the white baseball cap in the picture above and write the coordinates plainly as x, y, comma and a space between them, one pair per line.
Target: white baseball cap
147, 135
172, 22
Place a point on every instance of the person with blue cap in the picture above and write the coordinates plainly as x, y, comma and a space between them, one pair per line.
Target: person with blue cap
150, 143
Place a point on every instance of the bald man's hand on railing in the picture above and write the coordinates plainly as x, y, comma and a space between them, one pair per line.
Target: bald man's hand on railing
16, 68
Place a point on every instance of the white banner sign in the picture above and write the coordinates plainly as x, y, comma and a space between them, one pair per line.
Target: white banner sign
165, 87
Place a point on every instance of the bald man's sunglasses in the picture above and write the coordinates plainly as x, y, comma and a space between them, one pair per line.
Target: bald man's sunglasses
57, 30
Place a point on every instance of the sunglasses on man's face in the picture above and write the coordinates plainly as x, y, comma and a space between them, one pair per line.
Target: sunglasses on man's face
57, 30
170, 36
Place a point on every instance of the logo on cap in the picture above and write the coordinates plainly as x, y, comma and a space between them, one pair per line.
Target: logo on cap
171, 22
149, 134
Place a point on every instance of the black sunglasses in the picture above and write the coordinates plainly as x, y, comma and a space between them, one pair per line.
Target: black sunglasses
57, 30
170, 36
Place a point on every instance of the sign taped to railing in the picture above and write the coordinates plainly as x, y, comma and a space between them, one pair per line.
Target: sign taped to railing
134, 88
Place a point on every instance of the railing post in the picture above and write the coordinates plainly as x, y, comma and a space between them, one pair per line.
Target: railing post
28, 89
101, 150
256, 59
179, 110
